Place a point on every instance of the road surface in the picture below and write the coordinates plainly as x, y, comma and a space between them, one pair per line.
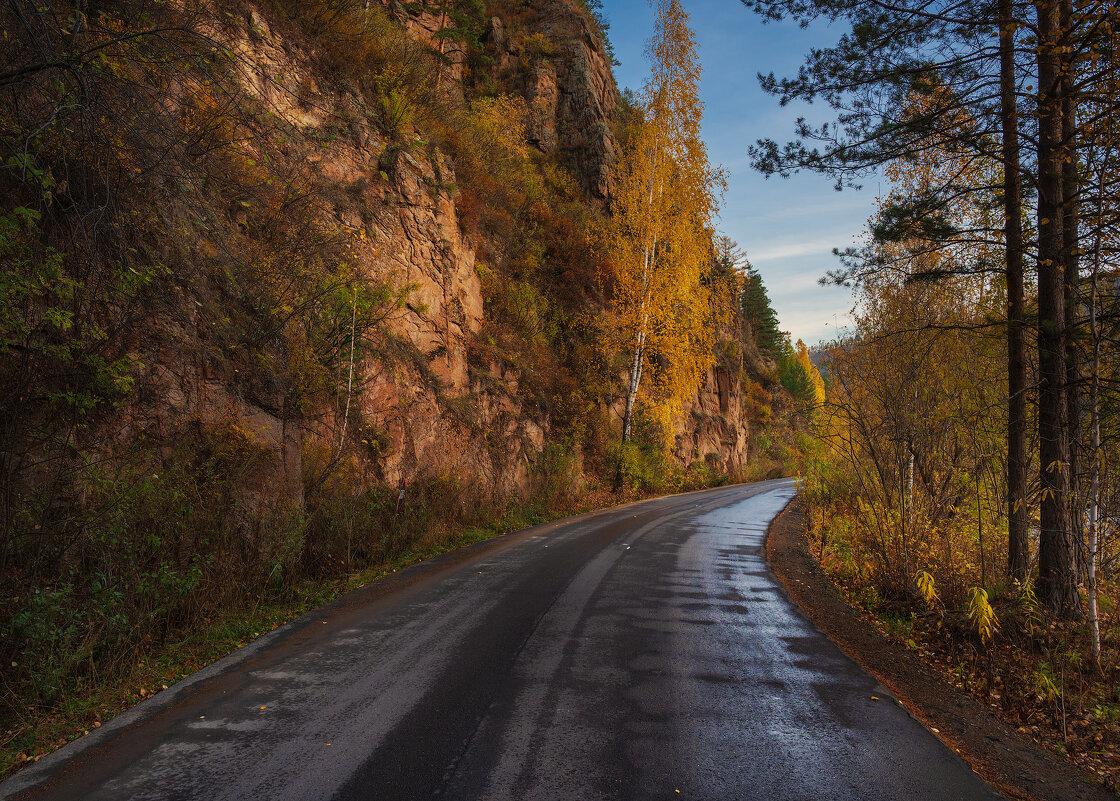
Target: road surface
643, 652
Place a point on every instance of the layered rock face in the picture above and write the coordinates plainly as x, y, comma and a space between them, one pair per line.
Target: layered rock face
436, 414
570, 90
715, 430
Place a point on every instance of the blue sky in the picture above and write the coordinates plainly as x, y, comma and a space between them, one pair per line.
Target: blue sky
787, 227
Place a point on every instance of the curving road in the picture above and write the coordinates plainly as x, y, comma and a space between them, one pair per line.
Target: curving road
643, 652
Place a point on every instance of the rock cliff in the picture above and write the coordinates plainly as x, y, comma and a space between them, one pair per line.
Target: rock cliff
339, 247
432, 412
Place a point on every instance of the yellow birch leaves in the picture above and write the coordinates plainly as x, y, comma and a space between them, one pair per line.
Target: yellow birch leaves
660, 239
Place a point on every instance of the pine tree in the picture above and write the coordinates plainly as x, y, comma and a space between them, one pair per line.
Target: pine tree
792, 374
1018, 460
759, 314
944, 50
815, 381
1056, 584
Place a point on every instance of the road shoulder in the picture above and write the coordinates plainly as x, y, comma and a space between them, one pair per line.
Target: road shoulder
1013, 764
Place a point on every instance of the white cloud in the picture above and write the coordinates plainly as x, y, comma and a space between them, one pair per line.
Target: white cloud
789, 250
842, 207
811, 329
798, 286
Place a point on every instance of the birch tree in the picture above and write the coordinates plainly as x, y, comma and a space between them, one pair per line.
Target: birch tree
660, 240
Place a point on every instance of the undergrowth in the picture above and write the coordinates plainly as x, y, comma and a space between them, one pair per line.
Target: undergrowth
996, 644
81, 705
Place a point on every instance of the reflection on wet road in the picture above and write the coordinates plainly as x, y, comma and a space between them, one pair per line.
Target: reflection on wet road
644, 652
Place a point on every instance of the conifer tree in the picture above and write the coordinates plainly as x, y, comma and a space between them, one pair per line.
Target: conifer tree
977, 61
1018, 460
816, 383
942, 50
798, 375
792, 374
759, 314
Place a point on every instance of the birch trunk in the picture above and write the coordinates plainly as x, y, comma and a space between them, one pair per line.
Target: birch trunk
639, 348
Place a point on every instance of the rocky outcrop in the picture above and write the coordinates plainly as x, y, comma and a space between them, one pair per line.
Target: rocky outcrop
585, 111
427, 25
431, 411
714, 430
282, 300
543, 95
570, 89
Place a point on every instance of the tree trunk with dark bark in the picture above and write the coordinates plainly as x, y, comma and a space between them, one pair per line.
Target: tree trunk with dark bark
1071, 263
1056, 585
1018, 546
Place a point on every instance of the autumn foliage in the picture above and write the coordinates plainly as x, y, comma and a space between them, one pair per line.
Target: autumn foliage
660, 239
965, 495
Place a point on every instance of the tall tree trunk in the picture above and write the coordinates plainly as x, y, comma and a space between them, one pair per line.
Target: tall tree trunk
1018, 547
1056, 584
1071, 263
632, 391
1094, 460
648, 255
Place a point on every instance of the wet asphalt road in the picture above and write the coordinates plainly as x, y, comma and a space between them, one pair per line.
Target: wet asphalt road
626, 654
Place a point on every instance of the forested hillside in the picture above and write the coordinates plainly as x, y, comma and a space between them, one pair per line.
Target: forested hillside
967, 493
269, 265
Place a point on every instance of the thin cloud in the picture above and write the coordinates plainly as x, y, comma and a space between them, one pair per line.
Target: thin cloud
791, 250
798, 210
802, 286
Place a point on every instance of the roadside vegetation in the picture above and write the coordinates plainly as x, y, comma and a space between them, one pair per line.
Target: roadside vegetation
422, 528
966, 490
